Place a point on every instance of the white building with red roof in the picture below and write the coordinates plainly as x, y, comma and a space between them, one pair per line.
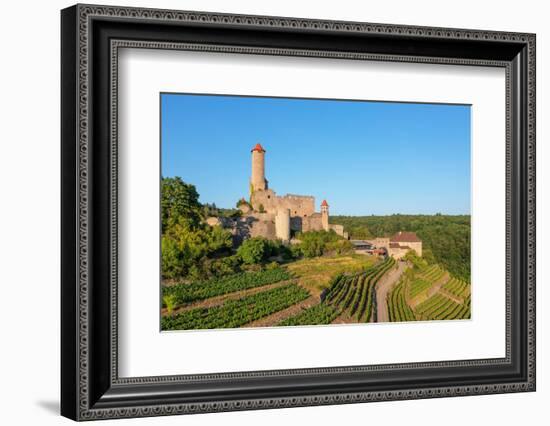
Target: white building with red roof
403, 242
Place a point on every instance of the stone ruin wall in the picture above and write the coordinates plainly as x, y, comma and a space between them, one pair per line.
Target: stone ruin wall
299, 205
339, 229
312, 223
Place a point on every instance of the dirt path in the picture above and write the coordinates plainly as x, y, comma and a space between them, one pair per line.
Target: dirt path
451, 296
279, 316
220, 300
383, 287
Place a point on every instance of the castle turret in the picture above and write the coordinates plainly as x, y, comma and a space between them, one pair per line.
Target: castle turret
257, 180
324, 215
282, 225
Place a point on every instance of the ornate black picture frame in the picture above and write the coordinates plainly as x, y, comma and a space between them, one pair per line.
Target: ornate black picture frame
91, 387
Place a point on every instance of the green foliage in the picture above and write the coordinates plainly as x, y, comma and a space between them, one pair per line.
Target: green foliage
440, 307
169, 301
295, 251
200, 290
254, 250
179, 200
236, 313
428, 256
188, 245
339, 247
354, 294
271, 265
452, 301
315, 243
398, 309
186, 248
447, 238
222, 266
171, 259
316, 315
457, 287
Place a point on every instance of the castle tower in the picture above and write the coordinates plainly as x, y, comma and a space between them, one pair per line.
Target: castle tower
282, 225
257, 180
324, 215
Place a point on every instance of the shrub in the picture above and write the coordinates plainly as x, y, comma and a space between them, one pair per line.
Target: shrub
254, 250
271, 266
169, 301
224, 266
172, 265
314, 243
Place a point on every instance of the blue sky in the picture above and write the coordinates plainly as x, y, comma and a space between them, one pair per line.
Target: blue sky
363, 157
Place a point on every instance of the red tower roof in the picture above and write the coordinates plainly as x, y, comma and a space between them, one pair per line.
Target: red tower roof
258, 148
324, 203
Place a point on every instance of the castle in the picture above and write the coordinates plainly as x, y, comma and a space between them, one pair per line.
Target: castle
272, 216
288, 212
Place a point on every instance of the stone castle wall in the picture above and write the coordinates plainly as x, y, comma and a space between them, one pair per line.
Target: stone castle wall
299, 205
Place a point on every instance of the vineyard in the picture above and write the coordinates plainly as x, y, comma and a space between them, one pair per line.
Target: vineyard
288, 298
354, 294
316, 315
304, 294
398, 308
182, 294
429, 293
236, 313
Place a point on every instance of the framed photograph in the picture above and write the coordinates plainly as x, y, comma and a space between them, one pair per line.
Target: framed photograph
263, 212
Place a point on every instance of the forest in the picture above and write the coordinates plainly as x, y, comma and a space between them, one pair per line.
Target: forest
445, 238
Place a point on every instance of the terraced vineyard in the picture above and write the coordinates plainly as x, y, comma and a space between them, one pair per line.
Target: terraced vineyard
236, 313
316, 315
277, 297
354, 294
183, 294
429, 293
457, 287
241, 300
398, 308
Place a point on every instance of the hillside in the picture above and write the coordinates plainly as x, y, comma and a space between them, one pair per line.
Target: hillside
428, 292
445, 238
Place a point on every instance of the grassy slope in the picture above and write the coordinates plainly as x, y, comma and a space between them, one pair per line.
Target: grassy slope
315, 274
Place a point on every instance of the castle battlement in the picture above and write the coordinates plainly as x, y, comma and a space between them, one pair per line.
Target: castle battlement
298, 197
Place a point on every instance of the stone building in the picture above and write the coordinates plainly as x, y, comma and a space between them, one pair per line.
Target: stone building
396, 246
290, 212
402, 242
273, 216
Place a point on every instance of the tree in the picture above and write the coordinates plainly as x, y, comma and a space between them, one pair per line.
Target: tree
172, 265
314, 243
254, 250
179, 199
